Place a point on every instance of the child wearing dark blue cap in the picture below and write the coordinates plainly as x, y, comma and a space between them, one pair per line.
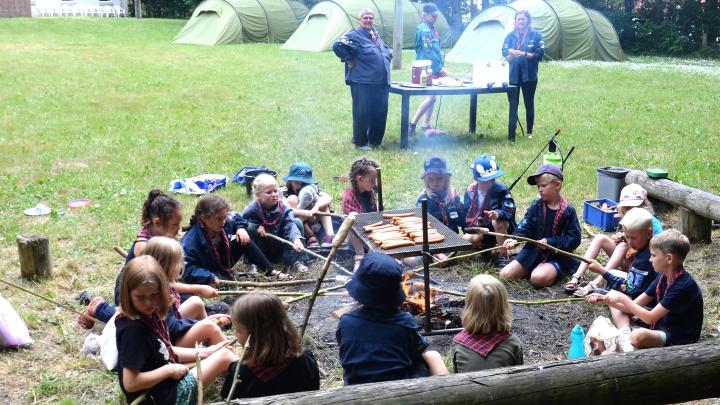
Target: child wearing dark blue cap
378, 341
306, 199
550, 220
442, 201
488, 204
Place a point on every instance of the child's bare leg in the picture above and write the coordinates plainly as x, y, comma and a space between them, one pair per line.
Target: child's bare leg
474, 239
215, 365
620, 319
326, 223
193, 308
514, 270
617, 257
543, 275
599, 242
203, 331
501, 226
435, 363
646, 338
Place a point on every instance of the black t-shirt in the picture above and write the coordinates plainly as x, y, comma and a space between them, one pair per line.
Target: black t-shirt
641, 273
301, 375
139, 348
684, 301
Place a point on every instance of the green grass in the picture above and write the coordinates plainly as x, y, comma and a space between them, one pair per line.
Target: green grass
108, 109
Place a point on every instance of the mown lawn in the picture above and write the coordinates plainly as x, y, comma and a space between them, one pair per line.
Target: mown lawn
108, 109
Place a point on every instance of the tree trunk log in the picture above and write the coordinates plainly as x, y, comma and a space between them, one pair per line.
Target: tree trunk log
664, 375
695, 227
35, 259
704, 204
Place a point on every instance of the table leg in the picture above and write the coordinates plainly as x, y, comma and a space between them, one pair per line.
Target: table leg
473, 113
404, 113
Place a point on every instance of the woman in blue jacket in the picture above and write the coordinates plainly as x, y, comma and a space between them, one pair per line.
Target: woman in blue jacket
524, 49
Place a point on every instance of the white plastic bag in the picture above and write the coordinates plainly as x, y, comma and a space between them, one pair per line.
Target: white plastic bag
13, 332
603, 338
108, 345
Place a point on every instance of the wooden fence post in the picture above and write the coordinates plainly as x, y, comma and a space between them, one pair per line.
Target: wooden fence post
35, 259
697, 228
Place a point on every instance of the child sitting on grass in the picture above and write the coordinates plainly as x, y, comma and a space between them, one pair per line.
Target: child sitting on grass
486, 341
677, 317
637, 230
269, 214
148, 364
275, 362
306, 199
378, 341
488, 204
615, 247
360, 197
550, 220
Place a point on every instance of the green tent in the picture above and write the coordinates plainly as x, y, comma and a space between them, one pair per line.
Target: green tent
329, 20
569, 30
217, 22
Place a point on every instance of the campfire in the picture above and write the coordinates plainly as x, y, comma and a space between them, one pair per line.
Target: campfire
445, 313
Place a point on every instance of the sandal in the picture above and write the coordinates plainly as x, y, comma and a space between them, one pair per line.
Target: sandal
574, 283
280, 276
585, 290
85, 322
300, 267
312, 241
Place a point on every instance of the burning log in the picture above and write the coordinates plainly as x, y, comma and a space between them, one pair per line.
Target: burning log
663, 375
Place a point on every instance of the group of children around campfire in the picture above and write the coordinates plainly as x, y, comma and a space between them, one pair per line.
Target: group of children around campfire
159, 316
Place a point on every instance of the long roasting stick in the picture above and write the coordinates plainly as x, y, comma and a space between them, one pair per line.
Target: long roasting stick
308, 251
486, 231
269, 284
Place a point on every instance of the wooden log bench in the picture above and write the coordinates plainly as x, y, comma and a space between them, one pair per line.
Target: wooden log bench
663, 375
697, 208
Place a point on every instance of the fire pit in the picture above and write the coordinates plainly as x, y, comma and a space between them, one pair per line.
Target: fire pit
445, 313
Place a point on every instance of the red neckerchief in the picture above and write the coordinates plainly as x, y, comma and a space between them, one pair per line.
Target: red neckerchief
270, 225
679, 273
144, 233
449, 197
159, 328
351, 203
520, 41
216, 254
475, 214
267, 373
556, 222
176, 302
480, 344
432, 28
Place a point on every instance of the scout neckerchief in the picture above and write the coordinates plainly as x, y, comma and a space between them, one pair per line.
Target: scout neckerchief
144, 234
216, 254
675, 276
480, 344
176, 302
374, 37
521, 41
267, 373
443, 203
556, 221
475, 213
266, 223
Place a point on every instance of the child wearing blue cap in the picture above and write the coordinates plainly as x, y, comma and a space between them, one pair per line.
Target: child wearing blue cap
488, 204
378, 341
442, 201
306, 199
551, 220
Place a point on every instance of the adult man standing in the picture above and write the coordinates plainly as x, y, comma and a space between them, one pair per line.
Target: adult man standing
367, 72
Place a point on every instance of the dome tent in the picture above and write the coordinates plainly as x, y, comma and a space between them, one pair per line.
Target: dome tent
329, 20
569, 30
217, 22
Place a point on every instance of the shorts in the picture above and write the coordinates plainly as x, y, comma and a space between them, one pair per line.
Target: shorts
186, 392
530, 257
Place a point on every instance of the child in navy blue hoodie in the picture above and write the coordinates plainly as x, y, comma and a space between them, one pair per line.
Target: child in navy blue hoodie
269, 214
550, 220
378, 341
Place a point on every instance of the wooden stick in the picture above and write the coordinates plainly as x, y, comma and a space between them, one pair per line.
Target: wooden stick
486, 231
543, 302
139, 400
237, 368
120, 251
308, 251
278, 293
329, 214
269, 284
337, 241
51, 301
324, 291
442, 262
198, 374
587, 229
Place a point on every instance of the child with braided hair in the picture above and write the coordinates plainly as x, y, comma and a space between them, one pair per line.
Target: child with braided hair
360, 198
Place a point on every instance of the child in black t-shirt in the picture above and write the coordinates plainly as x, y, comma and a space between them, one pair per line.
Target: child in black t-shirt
677, 318
147, 363
275, 362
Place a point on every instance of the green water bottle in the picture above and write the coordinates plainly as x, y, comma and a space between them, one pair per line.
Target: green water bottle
552, 156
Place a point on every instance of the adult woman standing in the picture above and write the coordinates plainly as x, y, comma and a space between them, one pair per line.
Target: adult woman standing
524, 49
427, 47
367, 72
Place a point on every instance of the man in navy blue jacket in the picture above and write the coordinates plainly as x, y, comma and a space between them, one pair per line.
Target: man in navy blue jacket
367, 72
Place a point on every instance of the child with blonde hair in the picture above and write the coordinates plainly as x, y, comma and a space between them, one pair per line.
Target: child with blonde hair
486, 341
148, 364
614, 246
270, 214
677, 317
275, 362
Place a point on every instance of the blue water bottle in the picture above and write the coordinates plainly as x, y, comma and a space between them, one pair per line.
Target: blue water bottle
577, 338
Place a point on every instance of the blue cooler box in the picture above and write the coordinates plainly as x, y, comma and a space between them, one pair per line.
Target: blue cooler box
607, 221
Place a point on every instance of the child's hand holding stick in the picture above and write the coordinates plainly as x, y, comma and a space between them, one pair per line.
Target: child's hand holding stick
511, 242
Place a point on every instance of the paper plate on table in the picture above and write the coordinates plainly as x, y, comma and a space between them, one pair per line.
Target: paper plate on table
413, 85
83, 202
38, 210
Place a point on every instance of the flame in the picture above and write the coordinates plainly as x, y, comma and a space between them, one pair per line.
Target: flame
416, 296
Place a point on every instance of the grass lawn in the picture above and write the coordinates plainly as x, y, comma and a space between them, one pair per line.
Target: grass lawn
108, 109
